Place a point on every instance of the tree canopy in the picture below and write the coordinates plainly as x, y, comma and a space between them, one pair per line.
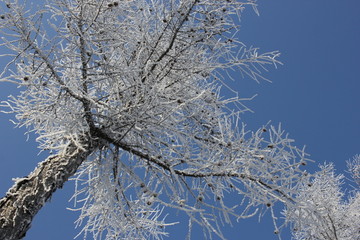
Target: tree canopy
128, 96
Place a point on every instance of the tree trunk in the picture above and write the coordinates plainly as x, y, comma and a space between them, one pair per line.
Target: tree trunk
27, 196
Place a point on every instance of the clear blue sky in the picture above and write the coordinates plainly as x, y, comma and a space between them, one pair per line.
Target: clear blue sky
315, 95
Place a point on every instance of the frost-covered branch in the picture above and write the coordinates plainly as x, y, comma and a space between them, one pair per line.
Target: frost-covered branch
354, 169
322, 211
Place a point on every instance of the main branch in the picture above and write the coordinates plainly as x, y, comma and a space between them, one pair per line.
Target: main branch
268, 187
29, 194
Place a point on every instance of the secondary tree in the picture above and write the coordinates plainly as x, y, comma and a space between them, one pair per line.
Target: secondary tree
128, 95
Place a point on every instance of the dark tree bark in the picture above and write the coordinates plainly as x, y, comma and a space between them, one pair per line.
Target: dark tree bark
29, 194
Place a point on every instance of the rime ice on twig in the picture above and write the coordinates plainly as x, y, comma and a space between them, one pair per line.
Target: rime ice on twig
354, 169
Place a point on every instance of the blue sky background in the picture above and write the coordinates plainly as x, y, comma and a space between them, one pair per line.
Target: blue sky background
315, 95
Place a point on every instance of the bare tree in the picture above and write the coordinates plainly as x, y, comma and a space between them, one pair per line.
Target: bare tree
128, 95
